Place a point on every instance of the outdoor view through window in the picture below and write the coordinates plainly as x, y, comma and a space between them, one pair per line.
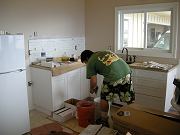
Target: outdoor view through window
147, 30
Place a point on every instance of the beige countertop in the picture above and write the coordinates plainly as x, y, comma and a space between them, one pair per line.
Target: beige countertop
60, 69
142, 66
75, 65
66, 68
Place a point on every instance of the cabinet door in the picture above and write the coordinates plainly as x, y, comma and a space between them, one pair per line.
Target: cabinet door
73, 84
170, 88
85, 84
150, 102
59, 91
41, 89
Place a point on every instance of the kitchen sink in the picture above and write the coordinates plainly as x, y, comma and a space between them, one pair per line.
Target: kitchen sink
129, 62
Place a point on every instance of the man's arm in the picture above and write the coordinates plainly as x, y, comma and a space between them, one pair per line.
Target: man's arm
93, 84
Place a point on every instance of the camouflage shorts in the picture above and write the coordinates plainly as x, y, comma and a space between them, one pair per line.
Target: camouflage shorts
123, 90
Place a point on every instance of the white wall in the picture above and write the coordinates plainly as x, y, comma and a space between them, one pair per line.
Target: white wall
100, 24
65, 18
62, 18
100, 20
178, 43
47, 17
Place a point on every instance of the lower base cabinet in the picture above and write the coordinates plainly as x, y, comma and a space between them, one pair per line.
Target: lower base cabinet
49, 92
73, 84
154, 89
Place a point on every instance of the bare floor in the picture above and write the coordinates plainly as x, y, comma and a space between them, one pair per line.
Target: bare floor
38, 119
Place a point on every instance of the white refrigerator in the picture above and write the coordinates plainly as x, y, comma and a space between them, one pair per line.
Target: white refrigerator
14, 111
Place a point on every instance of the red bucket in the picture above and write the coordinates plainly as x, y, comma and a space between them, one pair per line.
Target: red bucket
85, 113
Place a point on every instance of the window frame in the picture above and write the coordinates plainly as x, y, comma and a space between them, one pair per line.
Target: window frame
173, 7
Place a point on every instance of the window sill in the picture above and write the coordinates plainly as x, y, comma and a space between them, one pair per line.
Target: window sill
148, 53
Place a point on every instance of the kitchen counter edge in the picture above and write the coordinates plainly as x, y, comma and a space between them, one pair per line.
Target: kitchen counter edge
133, 66
61, 69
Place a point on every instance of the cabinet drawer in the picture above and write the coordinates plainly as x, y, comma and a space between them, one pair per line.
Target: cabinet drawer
150, 102
149, 82
151, 91
149, 74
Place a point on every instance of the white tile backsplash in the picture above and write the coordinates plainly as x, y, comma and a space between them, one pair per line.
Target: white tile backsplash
55, 47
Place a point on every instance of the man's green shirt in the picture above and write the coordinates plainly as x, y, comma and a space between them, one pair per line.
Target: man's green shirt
109, 65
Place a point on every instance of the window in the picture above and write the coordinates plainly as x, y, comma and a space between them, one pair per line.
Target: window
148, 30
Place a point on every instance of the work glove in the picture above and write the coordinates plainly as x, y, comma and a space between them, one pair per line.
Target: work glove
93, 92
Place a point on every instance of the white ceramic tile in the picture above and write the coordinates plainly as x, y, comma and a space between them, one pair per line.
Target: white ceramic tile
56, 47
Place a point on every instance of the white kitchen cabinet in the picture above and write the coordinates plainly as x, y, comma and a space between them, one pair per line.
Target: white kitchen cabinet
49, 92
85, 84
73, 87
78, 85
42, 90
154, 89
59, 91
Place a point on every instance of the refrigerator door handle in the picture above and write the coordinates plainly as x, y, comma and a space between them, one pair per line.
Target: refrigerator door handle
21, 70
18, 70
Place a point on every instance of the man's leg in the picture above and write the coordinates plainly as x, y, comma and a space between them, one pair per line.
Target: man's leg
103, 113
104, 109
103, 102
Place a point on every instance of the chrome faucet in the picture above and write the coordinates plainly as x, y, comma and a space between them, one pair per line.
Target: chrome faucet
126, 53
129, 59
